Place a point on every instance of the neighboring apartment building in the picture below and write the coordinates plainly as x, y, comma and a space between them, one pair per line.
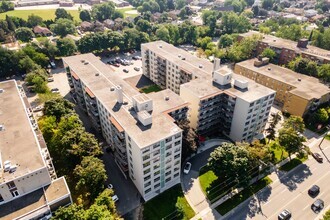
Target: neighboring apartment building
287, 50
220, 101
139, 127
296, 93
29, 188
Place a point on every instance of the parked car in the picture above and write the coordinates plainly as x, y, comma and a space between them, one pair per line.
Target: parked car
317, 157
115, 198
110, 62
50, 79
136, 58
314, 191
284, 215
318, 205
55, 90
125, 70
38, 108
116, 64
52, 64
137, 68
187, 168
110, 186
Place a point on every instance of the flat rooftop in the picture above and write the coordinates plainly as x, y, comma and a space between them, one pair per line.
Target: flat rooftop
18, 141
100, 85
289, 44
308, 88
204, 88
190, 64
36, 201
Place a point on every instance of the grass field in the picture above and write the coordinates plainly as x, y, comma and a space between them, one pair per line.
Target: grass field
164, 205
242, 196
46, 14
149, 89
279, 152
293, 163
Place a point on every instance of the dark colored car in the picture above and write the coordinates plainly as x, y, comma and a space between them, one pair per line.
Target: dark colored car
125, 70
317, 157
284, 215
116, 64
318, 205
314, 191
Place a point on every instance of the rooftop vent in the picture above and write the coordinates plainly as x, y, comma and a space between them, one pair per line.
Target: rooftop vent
299, 79
83, 61
97, 74
160, 46
7, 165
274, 40
86, 63
12, 168
200, 66
167, 98
269, 68
183, 58
2, 127
1, 90
179, 55
112, 88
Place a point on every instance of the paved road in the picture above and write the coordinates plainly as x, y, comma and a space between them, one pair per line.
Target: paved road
190, 182
290, 192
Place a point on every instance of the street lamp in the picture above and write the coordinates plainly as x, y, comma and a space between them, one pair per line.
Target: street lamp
328, 133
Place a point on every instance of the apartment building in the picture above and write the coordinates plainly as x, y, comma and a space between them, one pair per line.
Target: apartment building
140, 128
296, 93
287, 50
29, 187
220, 101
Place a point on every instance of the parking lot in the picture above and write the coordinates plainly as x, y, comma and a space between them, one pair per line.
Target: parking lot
120, 70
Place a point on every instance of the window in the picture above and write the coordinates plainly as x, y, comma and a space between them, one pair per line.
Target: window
168, 179
15, 193
156, 152
11, 185
167, 173
147, 191
147, 178
146, 157
156, 167
146, 164
146, 171
175, 175
157, 179
1, 199
156, 173
147, 184
176, 156
157, 185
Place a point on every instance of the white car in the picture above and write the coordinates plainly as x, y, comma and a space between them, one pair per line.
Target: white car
187, 168
115, 198
50, 79
110, 186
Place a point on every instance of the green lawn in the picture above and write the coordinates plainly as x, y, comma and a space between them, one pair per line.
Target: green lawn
165, 205
279, 152
149, 89
46, 14
242, 196
293, 163
206, 178
124, 10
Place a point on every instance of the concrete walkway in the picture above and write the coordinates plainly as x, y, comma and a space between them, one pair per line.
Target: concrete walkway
190, 182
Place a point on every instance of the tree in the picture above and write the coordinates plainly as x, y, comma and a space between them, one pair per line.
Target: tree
238, 5
40, 85
321, 116
90, 176
62, 13
203, 42
189, 139
143, 25
84, 15
255, 10
303, 66
324, 72
24, 34
259, 151
276, 118
47, 125
291, 140
290, 136
231, 162
267, 4
292, 32
103, 11
72, 211
6, 6
58, 107
34, 20
179, 4
232, 23
11, 25
226, 40
269, 53
326, 216
63, 27
66, 46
